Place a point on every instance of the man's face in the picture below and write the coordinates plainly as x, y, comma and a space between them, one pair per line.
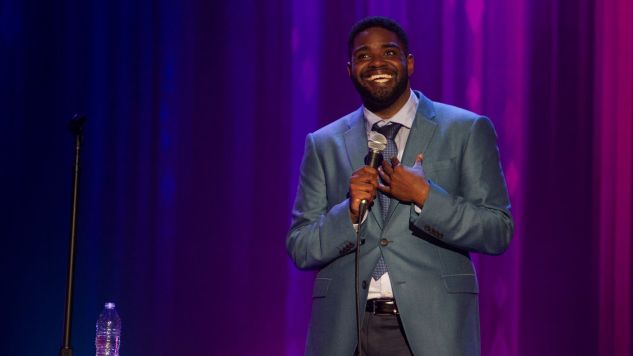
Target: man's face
379, 68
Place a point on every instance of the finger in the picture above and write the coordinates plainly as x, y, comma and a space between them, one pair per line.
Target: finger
385, 178
354, 204
395, 162
386, 167
365, 173
384, 188
368, 179
360, 196
356, 188
368, 197
367, 170
363, 191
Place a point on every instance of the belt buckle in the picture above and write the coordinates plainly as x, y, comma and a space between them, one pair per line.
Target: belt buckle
394, 311
374, 306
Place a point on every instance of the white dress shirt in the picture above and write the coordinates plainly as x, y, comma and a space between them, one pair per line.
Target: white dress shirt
405, 116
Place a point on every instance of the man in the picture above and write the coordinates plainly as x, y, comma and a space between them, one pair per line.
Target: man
441, 196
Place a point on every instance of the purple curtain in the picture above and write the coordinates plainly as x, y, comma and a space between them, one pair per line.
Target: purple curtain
612, 178
197, 117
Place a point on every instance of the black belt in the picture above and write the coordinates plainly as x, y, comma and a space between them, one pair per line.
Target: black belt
382, 307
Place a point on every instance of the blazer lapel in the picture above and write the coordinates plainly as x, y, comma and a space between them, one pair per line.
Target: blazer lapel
420, 136
356, 146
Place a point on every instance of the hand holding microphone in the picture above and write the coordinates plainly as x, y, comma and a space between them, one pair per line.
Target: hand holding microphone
364, 181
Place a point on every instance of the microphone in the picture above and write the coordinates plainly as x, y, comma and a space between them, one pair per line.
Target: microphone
377, 143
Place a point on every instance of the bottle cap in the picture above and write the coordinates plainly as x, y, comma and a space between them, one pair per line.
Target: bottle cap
109, 305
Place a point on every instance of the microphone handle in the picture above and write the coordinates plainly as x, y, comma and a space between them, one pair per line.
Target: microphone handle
373, 159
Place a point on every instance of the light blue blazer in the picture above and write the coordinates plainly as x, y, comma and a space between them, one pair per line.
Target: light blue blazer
428, 254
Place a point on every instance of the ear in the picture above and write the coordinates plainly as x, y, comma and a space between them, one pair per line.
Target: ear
410, 64
349, 69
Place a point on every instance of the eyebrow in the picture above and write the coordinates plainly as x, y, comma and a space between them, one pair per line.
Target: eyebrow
385, 45
390, 45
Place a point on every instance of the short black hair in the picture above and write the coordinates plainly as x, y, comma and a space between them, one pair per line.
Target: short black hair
377, 21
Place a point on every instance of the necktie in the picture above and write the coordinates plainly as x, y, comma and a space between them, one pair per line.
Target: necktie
389, 131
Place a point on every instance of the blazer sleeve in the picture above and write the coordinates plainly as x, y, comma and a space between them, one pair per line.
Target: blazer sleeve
478, 218
320, 232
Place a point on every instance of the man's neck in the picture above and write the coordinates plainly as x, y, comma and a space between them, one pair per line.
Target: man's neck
392, 109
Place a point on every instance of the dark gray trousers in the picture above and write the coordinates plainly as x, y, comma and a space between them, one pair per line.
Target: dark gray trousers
383, 335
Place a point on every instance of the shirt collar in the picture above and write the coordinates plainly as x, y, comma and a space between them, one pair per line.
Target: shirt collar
404, 116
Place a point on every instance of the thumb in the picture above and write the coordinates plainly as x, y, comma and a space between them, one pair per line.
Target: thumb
418, 160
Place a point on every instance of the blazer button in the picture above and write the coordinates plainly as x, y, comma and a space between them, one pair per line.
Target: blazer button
364, 284
384, 242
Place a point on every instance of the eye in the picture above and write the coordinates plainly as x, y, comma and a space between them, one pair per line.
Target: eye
391, 53
362, 57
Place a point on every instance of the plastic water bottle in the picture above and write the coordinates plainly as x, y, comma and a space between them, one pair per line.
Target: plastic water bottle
108, 336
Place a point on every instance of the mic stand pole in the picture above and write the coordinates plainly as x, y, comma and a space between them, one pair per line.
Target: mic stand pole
362, 211
75, 125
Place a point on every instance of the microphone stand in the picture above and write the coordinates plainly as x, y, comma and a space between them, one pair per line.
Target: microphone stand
75, 126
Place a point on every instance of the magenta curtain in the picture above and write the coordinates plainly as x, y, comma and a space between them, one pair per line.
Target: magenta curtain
612, 194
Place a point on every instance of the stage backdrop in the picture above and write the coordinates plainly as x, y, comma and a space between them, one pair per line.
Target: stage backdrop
197, 113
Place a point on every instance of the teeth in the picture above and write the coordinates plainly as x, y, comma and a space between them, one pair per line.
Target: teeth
380, 78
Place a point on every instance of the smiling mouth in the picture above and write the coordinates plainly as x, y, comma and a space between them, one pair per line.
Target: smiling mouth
380, 78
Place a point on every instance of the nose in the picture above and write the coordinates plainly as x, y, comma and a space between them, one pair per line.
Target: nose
377, 62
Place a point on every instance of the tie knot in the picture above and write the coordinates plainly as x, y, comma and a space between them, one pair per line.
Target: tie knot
389, 131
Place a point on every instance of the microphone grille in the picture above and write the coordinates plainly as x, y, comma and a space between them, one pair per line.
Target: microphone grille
376, 141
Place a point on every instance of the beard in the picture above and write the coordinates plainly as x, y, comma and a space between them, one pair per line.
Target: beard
379, 98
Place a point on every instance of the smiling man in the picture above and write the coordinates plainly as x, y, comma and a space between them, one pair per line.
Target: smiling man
438, 196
